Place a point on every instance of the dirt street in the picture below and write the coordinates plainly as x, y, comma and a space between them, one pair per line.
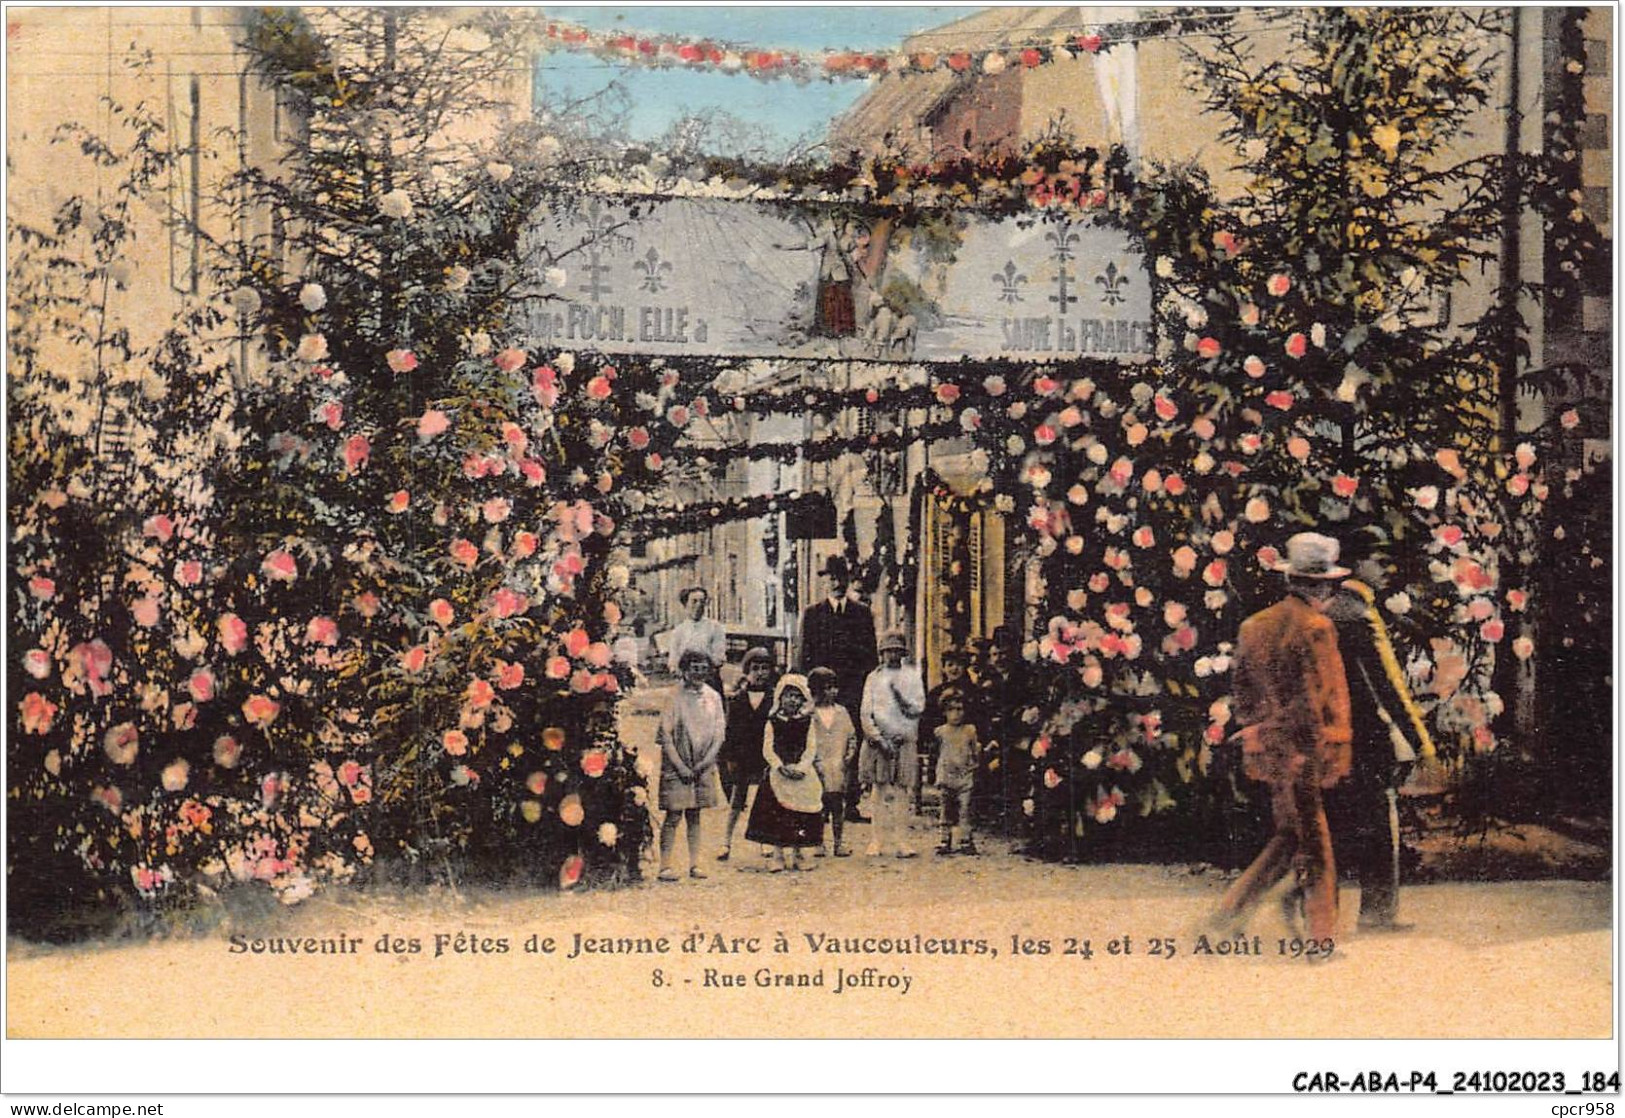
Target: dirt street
993, 946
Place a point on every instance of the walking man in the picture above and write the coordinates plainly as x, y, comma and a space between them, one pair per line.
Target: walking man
1389, 735
1292, 702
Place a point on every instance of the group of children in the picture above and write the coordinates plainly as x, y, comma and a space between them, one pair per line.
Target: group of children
794, 746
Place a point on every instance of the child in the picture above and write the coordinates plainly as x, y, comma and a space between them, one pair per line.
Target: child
955, 662
748, 711
834, 742
957, 757
788, 809
893, 698
690, 739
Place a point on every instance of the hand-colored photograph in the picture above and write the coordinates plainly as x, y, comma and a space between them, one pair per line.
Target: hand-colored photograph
900, 522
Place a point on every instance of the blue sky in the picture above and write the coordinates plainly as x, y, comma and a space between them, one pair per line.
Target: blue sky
787, 110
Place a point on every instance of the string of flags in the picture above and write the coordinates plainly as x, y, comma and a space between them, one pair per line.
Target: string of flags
676, 52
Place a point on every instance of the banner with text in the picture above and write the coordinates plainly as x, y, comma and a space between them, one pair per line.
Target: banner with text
739, 279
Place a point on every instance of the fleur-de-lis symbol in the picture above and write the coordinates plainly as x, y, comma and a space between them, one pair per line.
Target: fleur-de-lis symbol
1063, 239
1112, 284
654, 270
1010, 281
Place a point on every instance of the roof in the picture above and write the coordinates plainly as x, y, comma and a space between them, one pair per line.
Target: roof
896, 101
902, 101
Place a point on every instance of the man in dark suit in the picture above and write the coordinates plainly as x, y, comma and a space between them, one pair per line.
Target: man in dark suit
1390, 733
839, 634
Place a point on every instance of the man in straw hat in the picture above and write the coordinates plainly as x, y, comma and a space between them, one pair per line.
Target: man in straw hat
1292, 702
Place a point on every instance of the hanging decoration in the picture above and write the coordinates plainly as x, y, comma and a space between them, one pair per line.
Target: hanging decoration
659, 51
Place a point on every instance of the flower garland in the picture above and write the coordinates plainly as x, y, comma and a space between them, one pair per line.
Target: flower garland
658, 51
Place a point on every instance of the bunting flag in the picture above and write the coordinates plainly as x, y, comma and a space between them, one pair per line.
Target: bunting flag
675, 52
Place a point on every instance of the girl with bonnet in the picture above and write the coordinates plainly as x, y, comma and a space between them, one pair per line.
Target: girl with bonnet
788, 813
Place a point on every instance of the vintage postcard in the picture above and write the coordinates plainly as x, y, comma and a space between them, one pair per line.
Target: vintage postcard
890, 522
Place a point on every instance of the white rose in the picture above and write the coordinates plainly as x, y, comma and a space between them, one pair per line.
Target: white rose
245, 301
1398, 603
396, 204
555, 277
479, 343
501, 172
313, 297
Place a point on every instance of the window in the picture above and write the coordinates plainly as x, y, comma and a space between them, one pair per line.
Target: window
185, 190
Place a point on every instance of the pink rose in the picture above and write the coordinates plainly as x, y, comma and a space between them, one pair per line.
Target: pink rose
524, 544
42, 588
1214, 573
398, 501
545, 385
1297, 345
1278, 284
280, 566
1209, 347
189, 572
37, 663
227, 751
570, 872
233, 633
1345, 486
1298, 447
432, 423
508, 603
599, 388
509, 675
947, 393
1517, 600
38, 712
1045, 434
401, 360
414, 658
145, 612
201, 685
455, 742
496, 510
366, 604
121, 743
479, 694
1165, 408
322, 630
576, 642
512, 360
570, 811
557, 667
1492, 630
464, 553
261, 710
160, 527
331, 413
356, 452
594, 762
1448, 534
1280, 399
1253, 367
441, 612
